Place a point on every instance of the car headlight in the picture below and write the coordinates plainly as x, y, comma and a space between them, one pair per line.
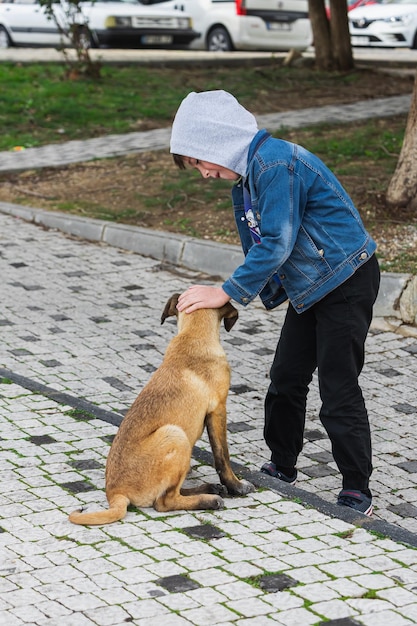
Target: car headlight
117, 21
400, 19
184, 22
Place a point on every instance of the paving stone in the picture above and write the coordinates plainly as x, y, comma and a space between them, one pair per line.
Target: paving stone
406, 408
320, 457
239, 389
319, 470
276, 582
5, 322
42, 440
409, 466
21, 352
100, 320
78, 486
313, 435
137, 297
116, 383
132, 287
239, 427
405, 510
205, 531
177, 584
85, 464
51, 363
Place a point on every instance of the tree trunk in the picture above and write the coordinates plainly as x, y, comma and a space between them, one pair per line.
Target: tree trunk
340, 36
321, 35
402, 189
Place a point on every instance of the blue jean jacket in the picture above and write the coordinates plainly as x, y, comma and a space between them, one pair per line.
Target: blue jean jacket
312, 236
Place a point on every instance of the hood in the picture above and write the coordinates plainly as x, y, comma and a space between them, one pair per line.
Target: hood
212, 126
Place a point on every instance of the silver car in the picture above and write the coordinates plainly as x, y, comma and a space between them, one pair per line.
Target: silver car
388, 24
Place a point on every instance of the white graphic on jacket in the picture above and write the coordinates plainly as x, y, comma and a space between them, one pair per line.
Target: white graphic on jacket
250, 218
253, 224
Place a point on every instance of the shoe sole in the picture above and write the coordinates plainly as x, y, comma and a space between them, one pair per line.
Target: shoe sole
368, 511
286, 482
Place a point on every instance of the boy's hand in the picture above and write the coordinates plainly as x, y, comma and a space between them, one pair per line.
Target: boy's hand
202, 297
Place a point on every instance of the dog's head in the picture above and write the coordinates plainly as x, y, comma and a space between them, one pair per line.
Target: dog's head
227, 313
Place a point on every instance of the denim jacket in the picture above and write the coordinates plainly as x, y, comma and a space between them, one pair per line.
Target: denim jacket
312, 236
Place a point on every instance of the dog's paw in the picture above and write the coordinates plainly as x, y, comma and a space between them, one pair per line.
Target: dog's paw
247, 487
218, 489
242, 488
219, 503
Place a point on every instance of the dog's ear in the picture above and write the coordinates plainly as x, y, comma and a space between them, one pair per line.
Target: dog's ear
170, 307
230, 315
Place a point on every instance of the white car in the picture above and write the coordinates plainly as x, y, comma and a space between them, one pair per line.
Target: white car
389, 24
113, 23
226, 25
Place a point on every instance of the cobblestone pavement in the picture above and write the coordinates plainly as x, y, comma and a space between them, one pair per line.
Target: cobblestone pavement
80, 337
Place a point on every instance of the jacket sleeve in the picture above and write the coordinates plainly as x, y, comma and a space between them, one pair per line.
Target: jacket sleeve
280, 207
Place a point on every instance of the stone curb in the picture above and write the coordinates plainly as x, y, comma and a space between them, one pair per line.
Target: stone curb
397, 296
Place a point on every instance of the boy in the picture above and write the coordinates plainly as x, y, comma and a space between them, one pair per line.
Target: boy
304, 241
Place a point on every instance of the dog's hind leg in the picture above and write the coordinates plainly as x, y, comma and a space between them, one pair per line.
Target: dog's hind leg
204, 488
217, 432
174, 455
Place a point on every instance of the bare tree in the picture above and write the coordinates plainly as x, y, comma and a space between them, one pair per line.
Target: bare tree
333, 50
72, 25
340, 36
321, 35
402, 189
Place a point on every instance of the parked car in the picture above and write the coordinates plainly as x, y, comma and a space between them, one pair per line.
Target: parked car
352, 4
116, 23
355, 4
390, 24
226, 25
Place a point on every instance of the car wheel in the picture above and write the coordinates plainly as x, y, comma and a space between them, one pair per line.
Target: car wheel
218, 40
414, 44
5, 41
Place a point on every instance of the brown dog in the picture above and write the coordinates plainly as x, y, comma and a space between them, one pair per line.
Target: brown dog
150, 455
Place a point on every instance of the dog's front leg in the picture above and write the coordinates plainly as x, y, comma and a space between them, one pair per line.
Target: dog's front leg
217, 432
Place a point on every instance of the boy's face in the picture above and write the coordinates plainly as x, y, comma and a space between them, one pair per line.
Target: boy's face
211, 170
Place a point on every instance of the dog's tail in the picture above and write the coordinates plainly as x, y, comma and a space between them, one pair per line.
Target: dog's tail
116, 511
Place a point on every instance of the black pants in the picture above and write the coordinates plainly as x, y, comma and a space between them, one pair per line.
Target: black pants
329, 336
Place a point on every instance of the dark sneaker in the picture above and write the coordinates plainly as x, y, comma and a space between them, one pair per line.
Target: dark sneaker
271, 469
355, 500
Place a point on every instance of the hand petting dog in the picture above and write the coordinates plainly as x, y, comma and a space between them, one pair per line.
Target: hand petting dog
202, 297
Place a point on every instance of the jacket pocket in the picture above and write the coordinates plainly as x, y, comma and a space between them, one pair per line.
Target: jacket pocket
309, 257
